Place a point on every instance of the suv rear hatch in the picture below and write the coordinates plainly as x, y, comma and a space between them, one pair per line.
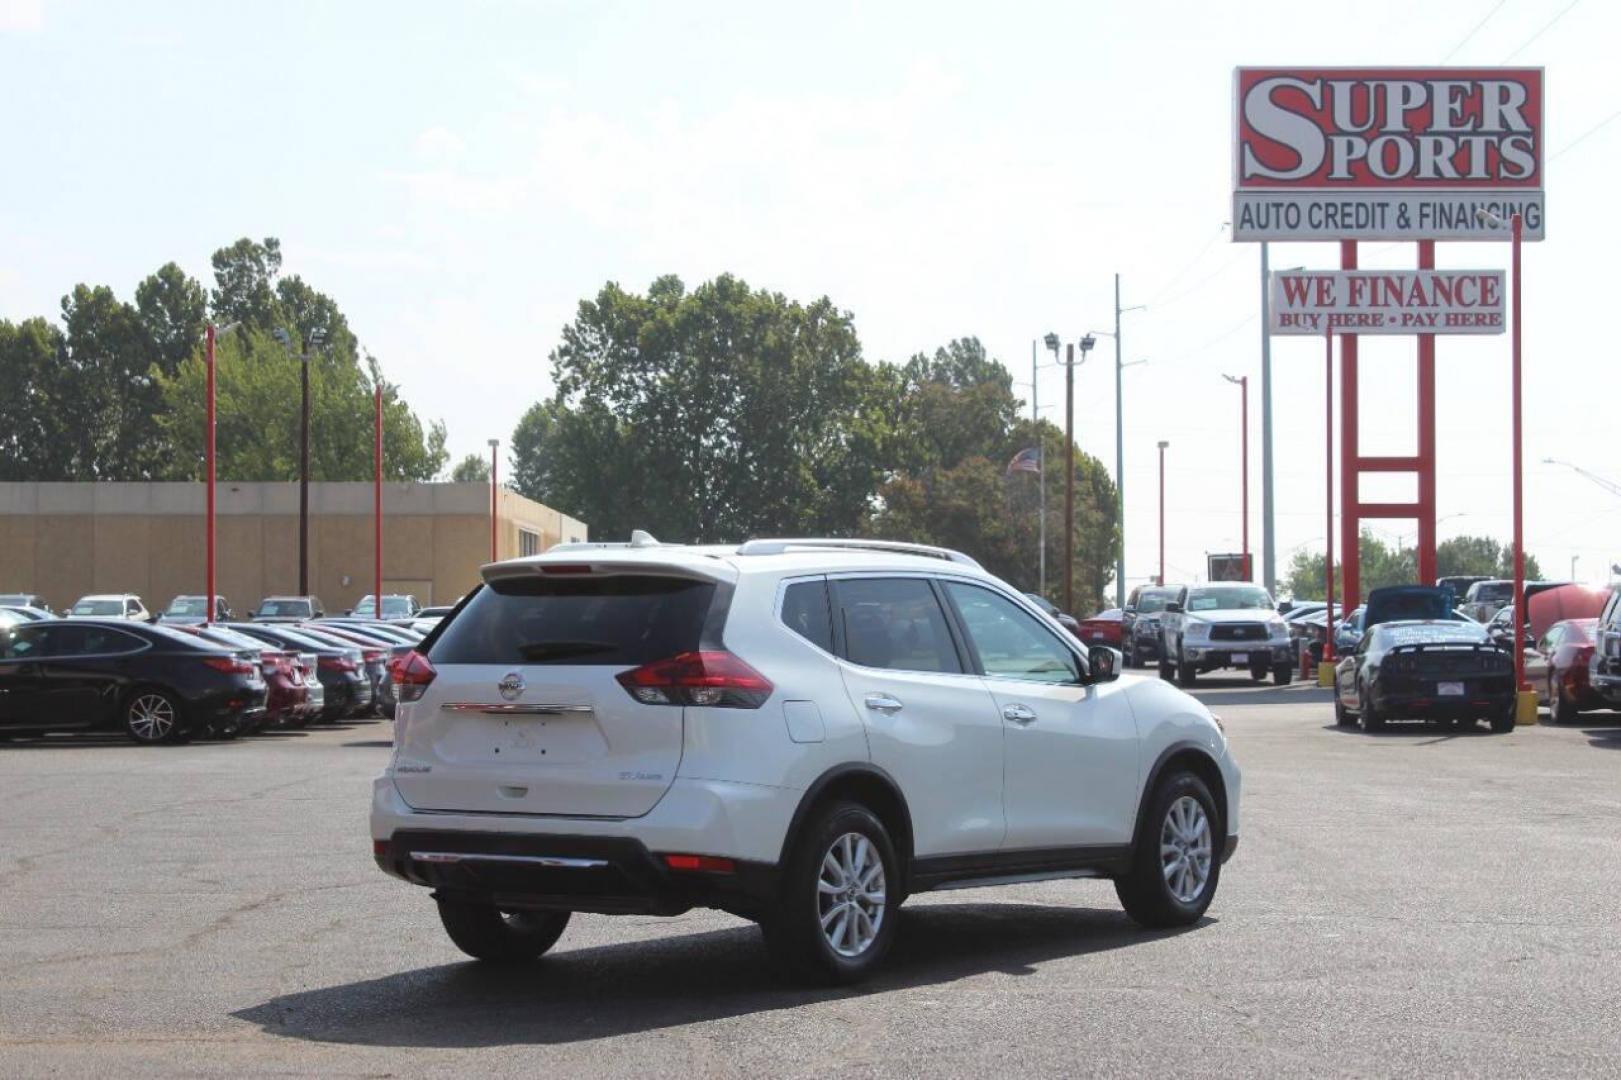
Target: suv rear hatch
525, 714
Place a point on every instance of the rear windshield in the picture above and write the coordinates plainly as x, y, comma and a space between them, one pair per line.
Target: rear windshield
1494, 590
282, 608
614, 620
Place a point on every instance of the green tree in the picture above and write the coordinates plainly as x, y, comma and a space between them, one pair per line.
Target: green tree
470, 468
1383, 565
1481, 555
258, 396
34, 442
720, 413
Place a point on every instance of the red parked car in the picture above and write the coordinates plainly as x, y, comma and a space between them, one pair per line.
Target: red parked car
1558, 669
286, 694
1104, 628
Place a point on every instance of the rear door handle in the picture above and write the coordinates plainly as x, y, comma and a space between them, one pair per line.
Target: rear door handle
1018, 714
883, 703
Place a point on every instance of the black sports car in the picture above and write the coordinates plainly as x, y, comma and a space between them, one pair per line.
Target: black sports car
1425, 670
156, 684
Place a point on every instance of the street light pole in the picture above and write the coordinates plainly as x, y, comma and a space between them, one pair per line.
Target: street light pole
304, 475
1069, 478
1243, 384
1328, 551
493, 444
377, 499
1041, 473
1162, 445
1119, 460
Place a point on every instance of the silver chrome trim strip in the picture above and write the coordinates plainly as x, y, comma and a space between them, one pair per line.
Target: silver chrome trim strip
505, 709
556, 862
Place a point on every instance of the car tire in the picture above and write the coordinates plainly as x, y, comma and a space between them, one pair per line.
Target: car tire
1186, 673
1258, 674
830, 925
1177, 862
1283, 675
1369, 715
485, 932
1166, 671
152, 716
1560, 711
1502, 721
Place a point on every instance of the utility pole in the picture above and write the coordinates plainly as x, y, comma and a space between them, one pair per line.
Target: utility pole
1041, 473
1243, 384
304, 475
1069, 478
1269, 558
1162, 446
1119, 461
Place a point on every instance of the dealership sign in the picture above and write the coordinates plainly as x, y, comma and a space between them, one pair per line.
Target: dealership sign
1387, 302
1386, 153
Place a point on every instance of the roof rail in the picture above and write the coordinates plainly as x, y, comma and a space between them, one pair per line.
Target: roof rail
895, 547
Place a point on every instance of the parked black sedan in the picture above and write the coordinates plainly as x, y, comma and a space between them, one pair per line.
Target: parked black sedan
1450, 671
339, 667
155, 684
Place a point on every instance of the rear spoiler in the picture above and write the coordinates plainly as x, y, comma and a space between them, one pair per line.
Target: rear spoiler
609, 562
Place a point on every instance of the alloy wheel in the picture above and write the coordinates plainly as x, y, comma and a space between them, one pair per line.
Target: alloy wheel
1185, 849
850, 898
151, 717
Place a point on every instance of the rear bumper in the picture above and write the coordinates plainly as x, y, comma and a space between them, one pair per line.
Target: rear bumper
1606, 688
608, 875
1475, 701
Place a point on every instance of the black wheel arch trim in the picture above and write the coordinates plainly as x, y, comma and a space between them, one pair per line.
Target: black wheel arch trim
819, 787
1157, 771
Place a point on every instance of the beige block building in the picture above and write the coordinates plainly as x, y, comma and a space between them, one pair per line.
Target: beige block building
64, 541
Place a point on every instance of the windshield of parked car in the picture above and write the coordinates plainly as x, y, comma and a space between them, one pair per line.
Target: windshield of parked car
1493, 590
15, 600
280, 608
1150, 602
187, 605
392, 605
1229, 598
99, 608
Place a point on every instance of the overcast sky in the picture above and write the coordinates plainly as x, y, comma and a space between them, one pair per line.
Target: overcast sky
459, 176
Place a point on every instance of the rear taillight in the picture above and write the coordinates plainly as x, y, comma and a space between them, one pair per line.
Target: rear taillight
231, 665
371, 656
705, 864
698, 678
338, 663
412, 674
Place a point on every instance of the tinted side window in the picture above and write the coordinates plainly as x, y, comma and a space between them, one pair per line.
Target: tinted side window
805, 612
894, 623
611, 620
99, 641
1010, 642
28, 642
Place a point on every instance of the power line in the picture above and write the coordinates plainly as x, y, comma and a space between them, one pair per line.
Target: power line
1165, 287
1545, 28
1578, 139
1467, 37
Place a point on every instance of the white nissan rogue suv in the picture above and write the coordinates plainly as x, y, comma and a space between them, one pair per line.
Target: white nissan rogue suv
800, 732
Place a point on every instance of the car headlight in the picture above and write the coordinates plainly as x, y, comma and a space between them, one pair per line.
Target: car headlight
1277, 628
1195, 629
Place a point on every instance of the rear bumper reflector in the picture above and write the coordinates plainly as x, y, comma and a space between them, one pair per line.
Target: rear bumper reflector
553, 862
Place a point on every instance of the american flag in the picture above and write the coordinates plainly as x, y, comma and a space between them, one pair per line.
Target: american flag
1025, 461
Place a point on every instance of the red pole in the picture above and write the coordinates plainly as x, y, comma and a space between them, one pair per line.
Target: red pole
1244, 457
1519, 494
208, 338
492, 501
1328, 556
1350, 453
1427, 568
377, 504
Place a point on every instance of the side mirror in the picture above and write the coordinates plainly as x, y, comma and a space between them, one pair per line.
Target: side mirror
1173, 608
1104, 662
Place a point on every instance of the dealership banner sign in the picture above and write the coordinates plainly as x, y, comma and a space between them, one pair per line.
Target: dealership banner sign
1386, 153
1387, 302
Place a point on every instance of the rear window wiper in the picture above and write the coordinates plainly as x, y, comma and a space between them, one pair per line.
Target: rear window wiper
557, 650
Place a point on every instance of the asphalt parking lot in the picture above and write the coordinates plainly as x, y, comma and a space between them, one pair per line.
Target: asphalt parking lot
1415, 902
